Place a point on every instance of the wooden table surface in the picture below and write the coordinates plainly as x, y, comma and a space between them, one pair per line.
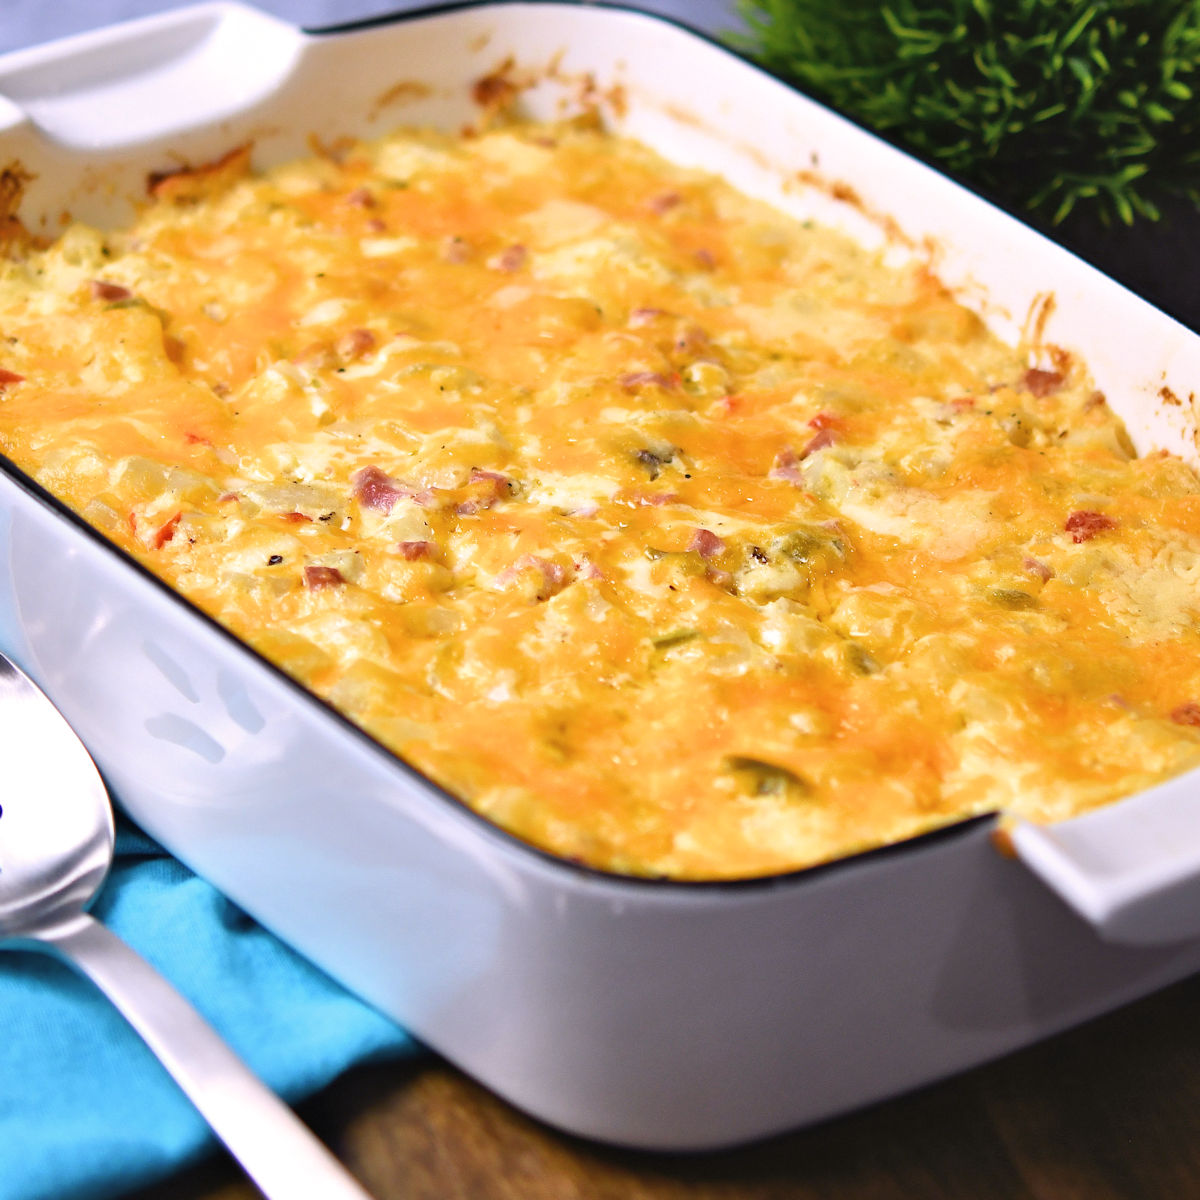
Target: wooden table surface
1109, 1111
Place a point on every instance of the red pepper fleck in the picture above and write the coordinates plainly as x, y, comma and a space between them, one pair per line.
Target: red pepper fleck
826, 420
195, 439
322, 577
165, 532
825, 437
360, 197
295, 518
1085, 524
101, 289
1042, 382
7, 376
1187, 714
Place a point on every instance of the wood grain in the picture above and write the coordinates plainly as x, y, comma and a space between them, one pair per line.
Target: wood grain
1110, 1111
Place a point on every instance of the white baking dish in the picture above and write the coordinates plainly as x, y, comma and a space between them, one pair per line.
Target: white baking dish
654, 1014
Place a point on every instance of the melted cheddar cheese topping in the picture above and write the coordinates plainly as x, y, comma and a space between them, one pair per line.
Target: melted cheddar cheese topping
674, 535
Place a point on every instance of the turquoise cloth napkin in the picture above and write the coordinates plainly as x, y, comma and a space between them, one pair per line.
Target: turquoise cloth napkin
85, 1109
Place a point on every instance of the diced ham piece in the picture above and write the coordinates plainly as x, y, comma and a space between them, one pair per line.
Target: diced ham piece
705, 258
664, 202
101, 289
706, 543
1042, 382
373, 489
360, 198
554, 575
355, 344
486, 489
1085, 524
786, 466
719, 578
644, 316
314, 356
1187, 714
412, 551
1038, 568
509, 260
501, 481
316, 578
165, 532
632, 380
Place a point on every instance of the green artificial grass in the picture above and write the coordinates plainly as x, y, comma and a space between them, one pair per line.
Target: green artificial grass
1052, 106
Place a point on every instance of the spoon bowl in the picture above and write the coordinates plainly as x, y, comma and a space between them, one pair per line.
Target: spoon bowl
56, 823
56, 846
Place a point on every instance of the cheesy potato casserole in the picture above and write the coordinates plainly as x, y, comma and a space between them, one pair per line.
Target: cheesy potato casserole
674, 535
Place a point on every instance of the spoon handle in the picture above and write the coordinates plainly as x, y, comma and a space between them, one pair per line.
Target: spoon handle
276, 1150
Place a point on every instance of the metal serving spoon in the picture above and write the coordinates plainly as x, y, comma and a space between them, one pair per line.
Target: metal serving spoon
56, 844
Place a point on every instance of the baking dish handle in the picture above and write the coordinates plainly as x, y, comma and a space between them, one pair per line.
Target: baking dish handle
148, 78
1131, 869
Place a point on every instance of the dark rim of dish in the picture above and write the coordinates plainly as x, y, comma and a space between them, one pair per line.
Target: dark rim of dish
855, 860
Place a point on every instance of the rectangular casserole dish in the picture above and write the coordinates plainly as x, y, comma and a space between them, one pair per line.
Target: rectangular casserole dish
654, 1014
